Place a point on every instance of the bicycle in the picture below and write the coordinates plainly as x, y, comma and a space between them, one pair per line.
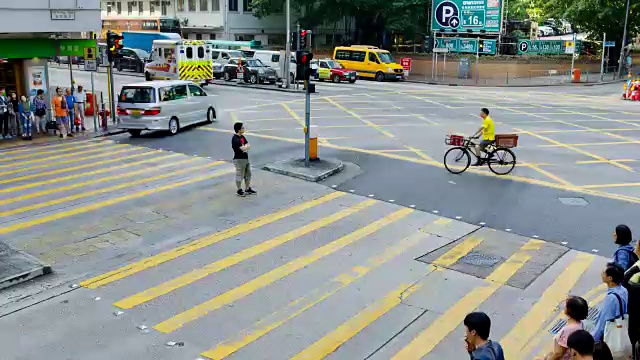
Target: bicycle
501, 159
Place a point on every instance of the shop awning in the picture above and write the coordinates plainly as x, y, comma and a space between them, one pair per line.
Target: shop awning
43, 48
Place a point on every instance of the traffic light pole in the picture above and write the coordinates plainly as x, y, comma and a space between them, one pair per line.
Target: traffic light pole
112, 101
307, 122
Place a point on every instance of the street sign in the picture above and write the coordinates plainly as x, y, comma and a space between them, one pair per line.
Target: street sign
440, 50
463, 15
90, 65
467, 45
405, 62
488, 46
547, 47
569, 47
609, 44
89, 53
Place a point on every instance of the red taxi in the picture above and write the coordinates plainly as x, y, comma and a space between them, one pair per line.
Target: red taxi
329, 69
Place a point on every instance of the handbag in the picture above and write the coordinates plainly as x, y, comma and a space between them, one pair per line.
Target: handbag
41, 112
616, 335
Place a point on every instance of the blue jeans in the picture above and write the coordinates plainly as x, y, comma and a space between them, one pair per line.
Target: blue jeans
27, 124
72, 119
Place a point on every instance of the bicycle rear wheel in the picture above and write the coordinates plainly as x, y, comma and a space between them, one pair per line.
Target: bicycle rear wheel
502, 161
457, 160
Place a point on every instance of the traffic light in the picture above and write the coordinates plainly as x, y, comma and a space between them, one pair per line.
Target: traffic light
303, 65
114, 45
303, 39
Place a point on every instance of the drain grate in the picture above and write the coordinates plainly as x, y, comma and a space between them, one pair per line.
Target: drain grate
591, 317
480, 259
574, 201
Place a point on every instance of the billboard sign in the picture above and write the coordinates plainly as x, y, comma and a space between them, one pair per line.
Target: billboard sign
463, 15
548, 47
466, 45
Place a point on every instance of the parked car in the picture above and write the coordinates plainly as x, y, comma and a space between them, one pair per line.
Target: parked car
254, 71
131, 59
221, 58
167, 105
329, 69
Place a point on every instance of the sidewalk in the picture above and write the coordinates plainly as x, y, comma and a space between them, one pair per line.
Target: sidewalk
39, 139
503, 80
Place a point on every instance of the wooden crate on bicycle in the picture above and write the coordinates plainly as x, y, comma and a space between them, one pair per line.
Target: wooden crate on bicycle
506, 140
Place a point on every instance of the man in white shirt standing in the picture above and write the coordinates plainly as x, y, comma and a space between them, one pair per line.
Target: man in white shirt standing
80, 97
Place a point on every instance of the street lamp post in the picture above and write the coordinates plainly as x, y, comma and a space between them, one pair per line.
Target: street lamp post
624, 40
287, 54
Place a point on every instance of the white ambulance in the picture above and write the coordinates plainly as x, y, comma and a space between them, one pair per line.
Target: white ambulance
180, 60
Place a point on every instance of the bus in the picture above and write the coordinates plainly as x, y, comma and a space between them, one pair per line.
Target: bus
161, 24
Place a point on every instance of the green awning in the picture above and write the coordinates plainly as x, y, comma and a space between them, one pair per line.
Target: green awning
43, 48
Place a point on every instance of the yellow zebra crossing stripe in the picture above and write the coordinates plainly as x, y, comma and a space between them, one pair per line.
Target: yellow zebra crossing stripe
156, 260
108, 202
123, 149
427, 340
60, 153
84, 194
248, 288
246, 254
331, 342
58, 180
528, 325
300, 305
73, 168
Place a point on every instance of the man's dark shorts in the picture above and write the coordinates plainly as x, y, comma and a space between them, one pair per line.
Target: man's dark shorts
484, 143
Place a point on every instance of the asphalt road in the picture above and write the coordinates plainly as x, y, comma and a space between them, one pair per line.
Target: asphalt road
575, 154
155, 257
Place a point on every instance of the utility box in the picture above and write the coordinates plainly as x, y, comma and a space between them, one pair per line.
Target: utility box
463, 68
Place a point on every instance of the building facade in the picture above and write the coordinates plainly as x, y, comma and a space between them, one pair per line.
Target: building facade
200, 19
33, 31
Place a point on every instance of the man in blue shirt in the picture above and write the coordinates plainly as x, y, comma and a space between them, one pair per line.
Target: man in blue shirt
479, 347
612, 276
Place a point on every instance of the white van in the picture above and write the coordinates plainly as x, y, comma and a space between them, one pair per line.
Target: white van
275, 60
188, 60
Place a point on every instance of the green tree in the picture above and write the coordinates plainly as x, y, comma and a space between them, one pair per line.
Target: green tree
372, 17
595, 17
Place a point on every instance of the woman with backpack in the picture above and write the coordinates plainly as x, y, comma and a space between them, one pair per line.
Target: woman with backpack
624, 255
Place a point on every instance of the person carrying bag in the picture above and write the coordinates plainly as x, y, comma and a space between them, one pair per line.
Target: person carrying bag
616, 335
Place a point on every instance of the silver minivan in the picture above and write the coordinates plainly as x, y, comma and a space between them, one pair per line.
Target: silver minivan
164, 105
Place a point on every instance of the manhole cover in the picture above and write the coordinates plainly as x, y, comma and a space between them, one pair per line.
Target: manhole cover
574, 201
592, 316
480, 259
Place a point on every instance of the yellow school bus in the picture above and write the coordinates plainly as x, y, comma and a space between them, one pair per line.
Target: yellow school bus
369, 62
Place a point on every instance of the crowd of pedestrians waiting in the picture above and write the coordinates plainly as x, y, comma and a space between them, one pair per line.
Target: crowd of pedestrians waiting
615, 334
24, 117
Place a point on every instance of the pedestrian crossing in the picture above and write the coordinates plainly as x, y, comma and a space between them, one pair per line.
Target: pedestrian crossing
40, 186
357, 292
332, 276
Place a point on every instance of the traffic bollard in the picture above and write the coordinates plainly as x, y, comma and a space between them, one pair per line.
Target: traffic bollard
313, 142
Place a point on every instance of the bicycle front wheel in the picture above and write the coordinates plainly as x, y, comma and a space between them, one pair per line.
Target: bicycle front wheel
502, 161
457, 160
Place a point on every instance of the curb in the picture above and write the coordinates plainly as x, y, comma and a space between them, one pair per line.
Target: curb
515, 86
37, 269
281, 167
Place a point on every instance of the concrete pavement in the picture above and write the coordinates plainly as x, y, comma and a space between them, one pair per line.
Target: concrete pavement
154, 257
165, 253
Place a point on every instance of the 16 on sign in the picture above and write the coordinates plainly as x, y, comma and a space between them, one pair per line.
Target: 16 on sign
473, 18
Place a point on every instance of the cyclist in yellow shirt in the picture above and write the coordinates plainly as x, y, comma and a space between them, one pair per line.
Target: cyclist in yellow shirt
488, 131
